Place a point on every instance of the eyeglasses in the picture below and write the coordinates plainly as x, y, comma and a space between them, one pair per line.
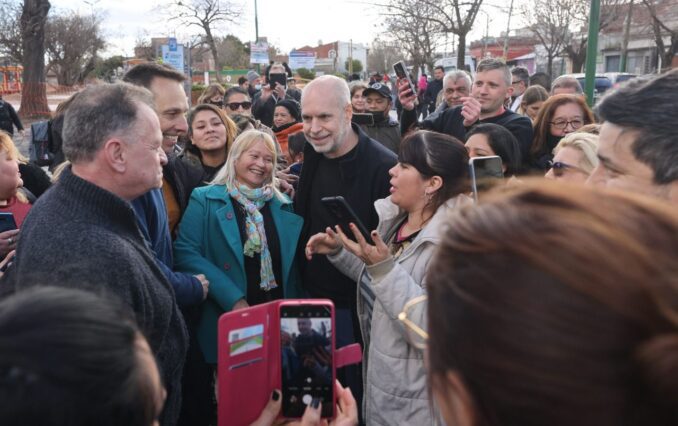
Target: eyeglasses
559, 168
514, 83
219, 104
233, 106
415, 334
562, 124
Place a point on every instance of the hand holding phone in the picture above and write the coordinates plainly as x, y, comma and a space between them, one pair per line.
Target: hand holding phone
401, 73
344, 215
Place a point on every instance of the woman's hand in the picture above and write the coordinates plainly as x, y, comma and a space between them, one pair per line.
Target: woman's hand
8, 240
323, 243
370, 254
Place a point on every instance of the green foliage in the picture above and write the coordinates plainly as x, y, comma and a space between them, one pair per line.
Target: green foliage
197, 87
357, 65
106, 69
306, 73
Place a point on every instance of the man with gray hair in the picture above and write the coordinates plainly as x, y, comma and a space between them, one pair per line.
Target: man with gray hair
520, 81
339, 160
566, 84
456, 86
83, 232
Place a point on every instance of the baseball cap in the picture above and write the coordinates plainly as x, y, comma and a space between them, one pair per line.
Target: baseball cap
379, 88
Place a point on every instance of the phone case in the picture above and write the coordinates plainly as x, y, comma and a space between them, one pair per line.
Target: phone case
248, 362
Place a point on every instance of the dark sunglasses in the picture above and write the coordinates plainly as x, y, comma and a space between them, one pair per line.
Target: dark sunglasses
559, 168
235, 105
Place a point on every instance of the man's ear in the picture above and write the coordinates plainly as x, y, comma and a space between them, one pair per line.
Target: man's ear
349, 112
116, 154
509, 91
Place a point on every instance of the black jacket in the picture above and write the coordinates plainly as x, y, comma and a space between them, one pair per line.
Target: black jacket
263, 111
451, 122
365, 179
386, 133
9, 118
79, 235
431, 93
182, 177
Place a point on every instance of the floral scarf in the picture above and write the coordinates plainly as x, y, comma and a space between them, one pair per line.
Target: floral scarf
253, 200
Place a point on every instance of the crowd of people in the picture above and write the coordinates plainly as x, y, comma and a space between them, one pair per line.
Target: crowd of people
543, 303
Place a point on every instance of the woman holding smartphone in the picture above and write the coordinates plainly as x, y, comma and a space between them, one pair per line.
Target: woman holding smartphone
240, 232
429, 182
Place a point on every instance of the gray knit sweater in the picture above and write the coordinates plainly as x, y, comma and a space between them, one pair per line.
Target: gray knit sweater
81, 236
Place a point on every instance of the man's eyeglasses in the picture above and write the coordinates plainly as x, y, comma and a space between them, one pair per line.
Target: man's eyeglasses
559, 168
233, 106
415, 333
562, 124
515, 83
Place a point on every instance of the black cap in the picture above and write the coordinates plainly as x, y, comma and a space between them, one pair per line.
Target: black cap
379, 88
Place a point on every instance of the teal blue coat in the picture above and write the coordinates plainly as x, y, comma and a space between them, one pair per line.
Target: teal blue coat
209, 243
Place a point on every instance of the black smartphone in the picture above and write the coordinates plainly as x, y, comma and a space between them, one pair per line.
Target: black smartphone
277, 78
485, 171
307, 357
401, 73
344, 215
359, 119
7, 222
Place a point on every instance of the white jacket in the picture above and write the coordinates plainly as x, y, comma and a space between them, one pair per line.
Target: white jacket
395, 390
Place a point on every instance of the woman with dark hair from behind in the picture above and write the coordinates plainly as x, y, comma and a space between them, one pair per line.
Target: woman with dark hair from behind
492, 139
70, 358
428, 183
573, 321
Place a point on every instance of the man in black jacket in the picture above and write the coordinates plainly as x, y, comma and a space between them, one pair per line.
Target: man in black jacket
433, 88
491, 88
338, 160
263, 103
83, 232
9, 118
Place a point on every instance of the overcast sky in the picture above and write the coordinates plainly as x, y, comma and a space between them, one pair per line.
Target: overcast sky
287, 24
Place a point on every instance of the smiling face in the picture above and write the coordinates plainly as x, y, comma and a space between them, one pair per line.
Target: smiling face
326, 123
358, 101
171, 105
282, 116
208, 131
454, 90
254, 167
491, 90
619, 168
144, 153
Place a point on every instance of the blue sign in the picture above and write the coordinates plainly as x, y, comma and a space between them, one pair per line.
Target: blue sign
172, 43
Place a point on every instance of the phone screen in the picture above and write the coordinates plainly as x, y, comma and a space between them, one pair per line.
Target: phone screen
485, 171
277, 78
306, 351
7, 222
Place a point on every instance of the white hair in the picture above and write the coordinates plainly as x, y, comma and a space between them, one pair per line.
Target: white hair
586, 143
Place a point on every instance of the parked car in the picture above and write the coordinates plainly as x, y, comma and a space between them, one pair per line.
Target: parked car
601, 85
619, 77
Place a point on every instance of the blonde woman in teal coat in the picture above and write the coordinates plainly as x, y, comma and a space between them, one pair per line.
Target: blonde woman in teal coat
241, 233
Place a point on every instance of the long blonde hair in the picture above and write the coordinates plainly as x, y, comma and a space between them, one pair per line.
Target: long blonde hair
227, 175
6, 144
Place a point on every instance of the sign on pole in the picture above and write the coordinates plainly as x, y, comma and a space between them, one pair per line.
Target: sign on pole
175, 57
301, 59
259, 53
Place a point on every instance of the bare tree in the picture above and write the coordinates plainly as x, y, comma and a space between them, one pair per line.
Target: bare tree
11, 41
73, 42
208, 15
382, 55
549, 21
33, 21
456, 17
409, 23
577, 39
661, 14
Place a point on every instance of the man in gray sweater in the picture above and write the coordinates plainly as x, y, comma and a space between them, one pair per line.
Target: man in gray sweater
83, 232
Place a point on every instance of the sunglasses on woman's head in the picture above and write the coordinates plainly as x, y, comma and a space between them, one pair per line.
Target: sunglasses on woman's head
235, 105
219, 104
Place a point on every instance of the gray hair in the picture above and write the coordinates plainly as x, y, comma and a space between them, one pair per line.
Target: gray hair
458, 75
99, 113
227, 175
567, 82
490, 64
339, 89
586, 143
